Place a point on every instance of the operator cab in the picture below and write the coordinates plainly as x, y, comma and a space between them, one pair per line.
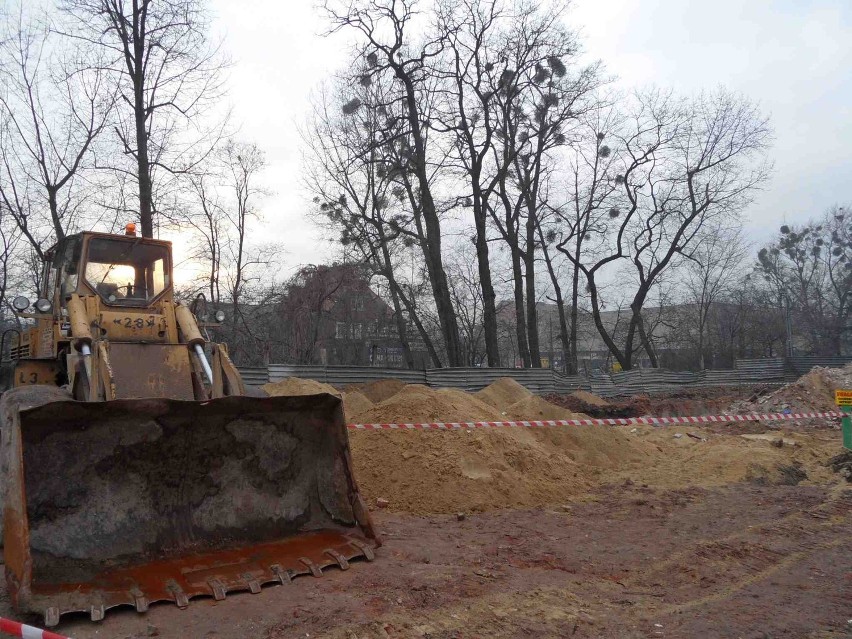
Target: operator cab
122, 270
126, 273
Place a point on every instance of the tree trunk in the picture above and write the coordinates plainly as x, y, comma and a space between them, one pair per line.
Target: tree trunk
401, 326
434, 260
646, 342
560, 305
563, 328
146, 208
520, 312
625, 358
424, 334
489, 310
54, 214
532, 311
574, 364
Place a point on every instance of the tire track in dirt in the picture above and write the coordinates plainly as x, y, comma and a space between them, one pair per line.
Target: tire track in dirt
708, 572
838, 503
728, 565
737, 587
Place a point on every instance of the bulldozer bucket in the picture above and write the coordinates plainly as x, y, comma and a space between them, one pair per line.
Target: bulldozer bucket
130, 502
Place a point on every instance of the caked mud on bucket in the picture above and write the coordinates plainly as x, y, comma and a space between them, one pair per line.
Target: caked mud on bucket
210, 496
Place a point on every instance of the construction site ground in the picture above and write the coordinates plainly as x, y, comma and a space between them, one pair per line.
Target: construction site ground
736, 530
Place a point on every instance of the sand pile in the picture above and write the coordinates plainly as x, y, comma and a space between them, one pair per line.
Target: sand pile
512, 467
437, 471
503, 393
298, 386
417, 403
355, 403
378, 391
537, 408
444, 472
726, 459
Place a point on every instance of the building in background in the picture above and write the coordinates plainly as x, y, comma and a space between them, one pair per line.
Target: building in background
730, 331
326, 314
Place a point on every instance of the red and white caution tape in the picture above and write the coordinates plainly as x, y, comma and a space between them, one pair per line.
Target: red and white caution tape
9, 627
618, 421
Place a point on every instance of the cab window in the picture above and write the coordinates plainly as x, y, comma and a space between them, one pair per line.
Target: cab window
65, 261
126, 272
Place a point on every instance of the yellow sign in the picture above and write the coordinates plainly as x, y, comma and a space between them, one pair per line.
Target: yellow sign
843, 397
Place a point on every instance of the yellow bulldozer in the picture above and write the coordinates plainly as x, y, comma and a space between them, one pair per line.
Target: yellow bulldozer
136, 468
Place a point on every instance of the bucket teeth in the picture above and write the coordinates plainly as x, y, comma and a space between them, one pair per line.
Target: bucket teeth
340, 559
177, 592
139, 600
369, 554
51, 617
214, 575
282, 575
253, 583
217, 588
315, 570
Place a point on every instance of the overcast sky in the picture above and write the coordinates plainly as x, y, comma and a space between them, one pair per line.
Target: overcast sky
792, 56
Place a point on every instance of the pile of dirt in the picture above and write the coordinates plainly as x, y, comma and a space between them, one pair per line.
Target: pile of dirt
813, 391
477, 470
482, 469
590, 398
355, 403
842, 464
503, 393
440, 471
538, 408
503, 400
721, 459
298, 386
430, 471
418, 403
378, 391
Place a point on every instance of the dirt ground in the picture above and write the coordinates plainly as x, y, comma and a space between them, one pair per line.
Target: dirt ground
739, 530
628, 561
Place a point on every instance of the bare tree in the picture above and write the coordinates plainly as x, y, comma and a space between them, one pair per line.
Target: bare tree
469, 29
243, 164
304, 308
384, 27
809, 268
168, 76
546, 95
53, 106
356, 187
209, 220
582, 218
681, 164
469, 303
10, 235
712, 266
223, 197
